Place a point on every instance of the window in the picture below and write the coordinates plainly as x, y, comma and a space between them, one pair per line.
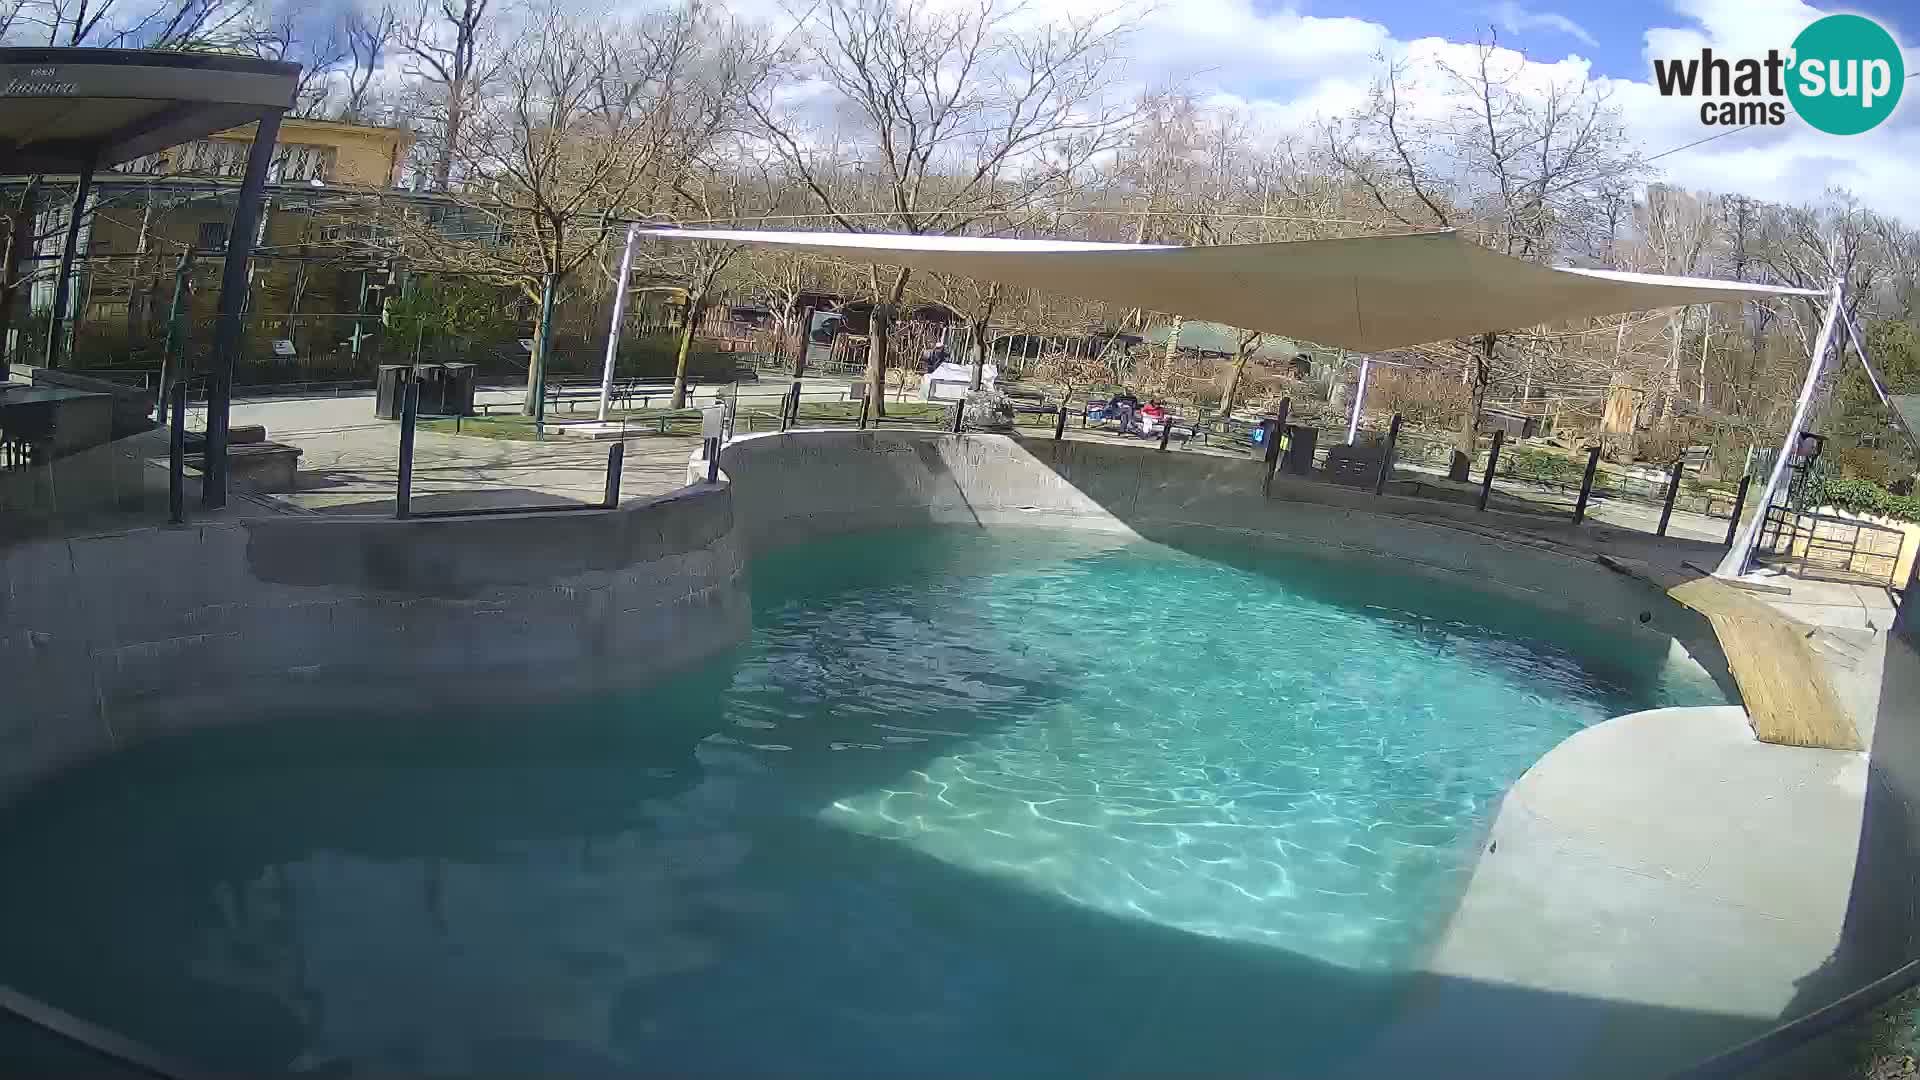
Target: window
213, 236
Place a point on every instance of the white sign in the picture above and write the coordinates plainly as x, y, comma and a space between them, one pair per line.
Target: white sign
283, 347
713, 420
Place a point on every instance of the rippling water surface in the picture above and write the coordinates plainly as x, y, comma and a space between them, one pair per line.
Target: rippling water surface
966, 803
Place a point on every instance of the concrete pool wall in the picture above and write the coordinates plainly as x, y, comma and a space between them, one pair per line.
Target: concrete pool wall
105, 640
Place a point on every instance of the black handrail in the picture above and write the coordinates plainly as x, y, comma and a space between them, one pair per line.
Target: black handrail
1797, 1033
95, 1039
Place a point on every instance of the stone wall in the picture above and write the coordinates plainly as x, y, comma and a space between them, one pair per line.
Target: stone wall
108, 639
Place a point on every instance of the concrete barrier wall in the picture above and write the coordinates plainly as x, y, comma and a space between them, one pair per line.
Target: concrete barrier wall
798, 485
108, 639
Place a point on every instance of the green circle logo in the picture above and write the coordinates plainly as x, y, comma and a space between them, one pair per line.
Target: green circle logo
1846, 74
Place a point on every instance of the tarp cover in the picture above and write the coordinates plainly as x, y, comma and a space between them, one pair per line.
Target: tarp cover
1364, 293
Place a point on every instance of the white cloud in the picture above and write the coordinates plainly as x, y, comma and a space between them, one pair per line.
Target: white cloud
1511, 17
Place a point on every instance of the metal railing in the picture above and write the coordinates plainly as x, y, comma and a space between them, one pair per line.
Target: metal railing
1824, 546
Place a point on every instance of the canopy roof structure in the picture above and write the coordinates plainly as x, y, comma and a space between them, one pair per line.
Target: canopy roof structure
1365, 293
73, 110
77, 110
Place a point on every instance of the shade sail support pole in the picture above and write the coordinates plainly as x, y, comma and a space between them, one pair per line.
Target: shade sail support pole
1740, 555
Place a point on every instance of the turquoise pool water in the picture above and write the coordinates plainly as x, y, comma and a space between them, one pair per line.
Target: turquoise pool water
967, 803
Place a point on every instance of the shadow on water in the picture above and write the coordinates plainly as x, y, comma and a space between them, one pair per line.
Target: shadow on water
579, 897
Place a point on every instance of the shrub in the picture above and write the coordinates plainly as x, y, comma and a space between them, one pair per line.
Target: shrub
1862, 496
1534, 464
1420, 397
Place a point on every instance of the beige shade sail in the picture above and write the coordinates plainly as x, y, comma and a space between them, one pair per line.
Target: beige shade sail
1364, 293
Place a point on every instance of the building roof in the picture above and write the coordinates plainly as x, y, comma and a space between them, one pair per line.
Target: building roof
1364, 293
63, 110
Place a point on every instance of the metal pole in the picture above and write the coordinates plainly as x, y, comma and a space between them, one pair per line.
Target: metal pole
619, 315
1060, 422
1166, 431
959, 415
177, 454
1739, 504
543, 348
57, 323
1673, 491
1493, 462
616, 459
409, 412
171, 359
233, 300
1386, 458
1359, 395
1586, 484
713, 461
1734, 563
864, 406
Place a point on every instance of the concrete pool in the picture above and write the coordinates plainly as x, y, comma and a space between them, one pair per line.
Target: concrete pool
366, 617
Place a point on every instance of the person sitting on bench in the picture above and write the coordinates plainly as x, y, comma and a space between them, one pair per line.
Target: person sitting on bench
1152, 418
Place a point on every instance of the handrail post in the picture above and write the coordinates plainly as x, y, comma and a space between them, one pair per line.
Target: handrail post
409, 412
1060, 422
1166, 431
616, 461
1673, 491
1586, 484
1386, 458
1493, 462
1739, 504
177, 452
866, 404
959, 415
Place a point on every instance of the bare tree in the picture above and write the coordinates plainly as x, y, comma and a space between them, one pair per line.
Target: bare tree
368, 34
964, 121
1519, 170
446, 45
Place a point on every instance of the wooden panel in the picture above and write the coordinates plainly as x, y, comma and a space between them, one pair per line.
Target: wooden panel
1782, 681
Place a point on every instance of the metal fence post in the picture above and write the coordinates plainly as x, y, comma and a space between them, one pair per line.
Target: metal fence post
959, 416
1271, 455
1166, 431
793, 407
1060, 422
616, 461
1386, 458
1739, 504
1493, 462
1586, 484
409, 412
177, 452
1673, 491
865, 405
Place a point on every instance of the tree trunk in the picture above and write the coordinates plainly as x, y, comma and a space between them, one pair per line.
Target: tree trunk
18, 242
1673, 365
877, 343
1232, 391
1478, 371
542, 342
977, 336
456, 109
696, 300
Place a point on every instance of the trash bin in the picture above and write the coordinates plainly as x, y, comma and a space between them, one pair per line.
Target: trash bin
386, 391
433, 388
459, 398
1301, 443
1265, 439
